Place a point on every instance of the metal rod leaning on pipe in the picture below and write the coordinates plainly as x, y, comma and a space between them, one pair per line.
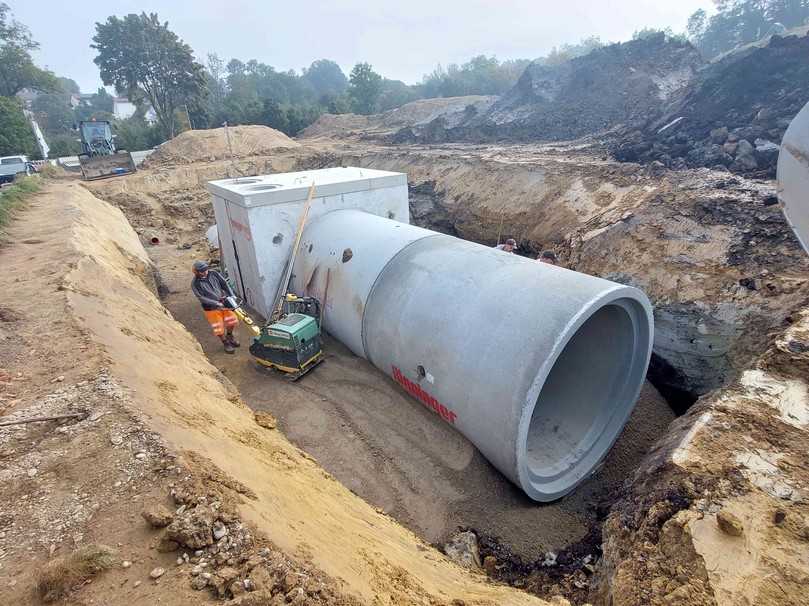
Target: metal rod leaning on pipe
279, 298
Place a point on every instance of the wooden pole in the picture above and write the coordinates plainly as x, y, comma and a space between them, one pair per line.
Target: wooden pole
298, 235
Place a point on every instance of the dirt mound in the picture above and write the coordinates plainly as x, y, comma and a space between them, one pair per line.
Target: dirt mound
209, 145
410, 115
336, 125
612, 85
732, 116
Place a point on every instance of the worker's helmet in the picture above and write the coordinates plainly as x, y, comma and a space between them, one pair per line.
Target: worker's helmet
200, 266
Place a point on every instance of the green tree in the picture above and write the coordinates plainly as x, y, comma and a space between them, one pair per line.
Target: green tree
325, 78
54, 113
141, 57
480, 75
135, 133
339, 104
99, 107
17, 69
16, 135
213, 109
395, 93
274, 116
566, 52
63, 145
364, 88
301, 116
68, 86
739, 22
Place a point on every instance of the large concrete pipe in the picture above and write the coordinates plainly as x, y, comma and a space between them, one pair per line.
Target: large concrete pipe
537, 365
793, 175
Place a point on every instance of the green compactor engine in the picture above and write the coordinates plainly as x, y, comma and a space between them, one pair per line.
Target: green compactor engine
291, 344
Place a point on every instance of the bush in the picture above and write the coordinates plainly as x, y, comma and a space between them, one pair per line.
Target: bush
58, 577
16, 135
63, 145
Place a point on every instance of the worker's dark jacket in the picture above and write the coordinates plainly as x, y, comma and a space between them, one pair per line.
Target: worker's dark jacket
211, 289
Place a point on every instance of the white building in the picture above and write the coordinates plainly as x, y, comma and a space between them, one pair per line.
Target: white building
122, 108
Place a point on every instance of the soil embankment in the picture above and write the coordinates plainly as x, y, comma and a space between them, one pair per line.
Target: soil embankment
718, 513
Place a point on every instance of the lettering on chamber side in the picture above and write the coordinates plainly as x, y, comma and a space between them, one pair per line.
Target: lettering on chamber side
415, 390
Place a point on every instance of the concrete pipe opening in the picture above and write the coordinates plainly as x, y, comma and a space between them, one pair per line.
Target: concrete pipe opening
585, 399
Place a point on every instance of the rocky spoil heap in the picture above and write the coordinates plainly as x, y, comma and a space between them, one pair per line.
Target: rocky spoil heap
401, 124
612, 85
217, 553
732, 116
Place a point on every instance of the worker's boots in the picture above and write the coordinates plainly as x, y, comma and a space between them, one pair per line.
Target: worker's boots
229, 349
232, 339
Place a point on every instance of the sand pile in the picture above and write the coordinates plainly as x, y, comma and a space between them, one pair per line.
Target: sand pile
409, 114
209, 145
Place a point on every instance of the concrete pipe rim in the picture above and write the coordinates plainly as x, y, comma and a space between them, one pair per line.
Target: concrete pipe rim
591, 424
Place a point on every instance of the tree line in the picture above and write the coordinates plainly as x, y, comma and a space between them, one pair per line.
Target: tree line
142, 59
739, 22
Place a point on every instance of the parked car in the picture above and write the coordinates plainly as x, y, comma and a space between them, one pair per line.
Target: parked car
11, 166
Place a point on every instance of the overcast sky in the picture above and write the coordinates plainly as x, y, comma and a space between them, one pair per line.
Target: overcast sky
402, 40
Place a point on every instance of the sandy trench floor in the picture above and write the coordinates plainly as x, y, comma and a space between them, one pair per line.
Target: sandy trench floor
398, 456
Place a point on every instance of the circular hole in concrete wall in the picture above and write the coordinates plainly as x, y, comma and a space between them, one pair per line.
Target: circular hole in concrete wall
278, 238
420, 371
347, 254
586, 398
391, 215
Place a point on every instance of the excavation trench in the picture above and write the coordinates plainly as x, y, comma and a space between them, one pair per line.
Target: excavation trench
402, 458
382, 444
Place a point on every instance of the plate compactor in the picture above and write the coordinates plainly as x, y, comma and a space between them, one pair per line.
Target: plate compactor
290, 342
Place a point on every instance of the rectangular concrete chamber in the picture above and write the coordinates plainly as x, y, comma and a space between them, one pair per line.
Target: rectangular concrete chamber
257, 218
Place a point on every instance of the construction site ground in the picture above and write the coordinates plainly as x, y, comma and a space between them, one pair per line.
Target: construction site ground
388, 449
346, 498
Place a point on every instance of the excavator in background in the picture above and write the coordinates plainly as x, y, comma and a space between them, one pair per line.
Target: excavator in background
99, 158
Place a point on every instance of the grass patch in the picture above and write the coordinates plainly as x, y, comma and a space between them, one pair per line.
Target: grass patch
58, 577
12, 197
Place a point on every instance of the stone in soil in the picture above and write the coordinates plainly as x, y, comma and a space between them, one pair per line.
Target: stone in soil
199, 582
265, 419
157, 573
158, 516
193, 528
729, 523
462, 549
